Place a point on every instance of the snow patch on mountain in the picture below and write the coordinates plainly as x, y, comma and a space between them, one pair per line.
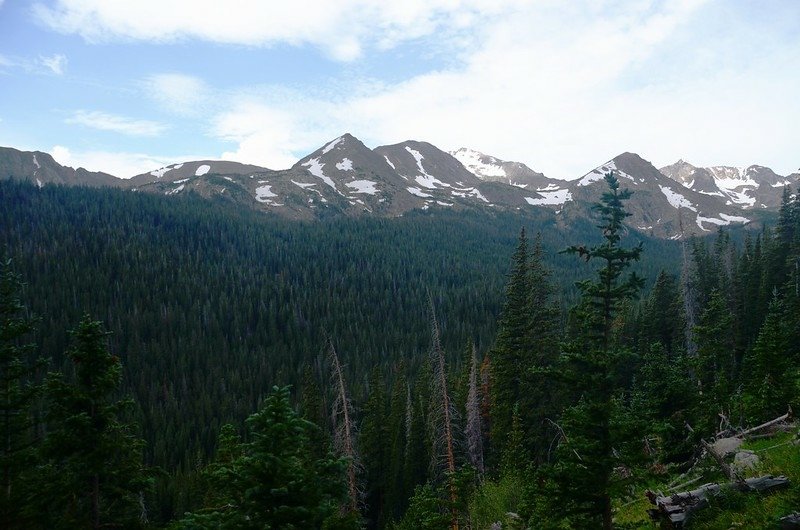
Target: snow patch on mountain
39, 183
36, 162
711, 220
202, 170
315, 168
677, 200
304, 185
419, 158
469, 192
175, 191
714, 193
549, 187
332, 144
556, 198
725, 221
363, 186
345, 165
599, 173
158, 173
389, 162
474, 162
741, 197
264, 194
734, 218
430, 182
181, 181
418, 192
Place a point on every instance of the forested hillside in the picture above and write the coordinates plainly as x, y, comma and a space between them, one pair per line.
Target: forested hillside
471, 365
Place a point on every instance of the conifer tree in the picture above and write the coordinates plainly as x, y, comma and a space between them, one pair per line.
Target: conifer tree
715, 363
661, 318
93, 458
772, 366
526, 347
18, 388
539, 400
373, 437
585, 459
273, 480
512, 348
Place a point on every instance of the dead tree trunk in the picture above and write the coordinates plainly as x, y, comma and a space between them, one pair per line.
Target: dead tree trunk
677, 509
343, 429
474, 429
442, 413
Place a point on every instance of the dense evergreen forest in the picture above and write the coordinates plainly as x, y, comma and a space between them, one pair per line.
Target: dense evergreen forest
444, 369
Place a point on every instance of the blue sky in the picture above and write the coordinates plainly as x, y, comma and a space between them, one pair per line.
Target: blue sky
126, 87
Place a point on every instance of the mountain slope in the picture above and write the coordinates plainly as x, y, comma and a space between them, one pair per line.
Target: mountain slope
489, 168
346, 178
660, 205
191, 169
40, 168
753, 187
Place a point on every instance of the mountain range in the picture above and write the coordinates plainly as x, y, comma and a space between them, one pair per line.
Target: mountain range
345, 177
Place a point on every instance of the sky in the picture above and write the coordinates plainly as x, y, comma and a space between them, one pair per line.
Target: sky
129, 86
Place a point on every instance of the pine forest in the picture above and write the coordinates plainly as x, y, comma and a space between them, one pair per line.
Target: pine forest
178, 363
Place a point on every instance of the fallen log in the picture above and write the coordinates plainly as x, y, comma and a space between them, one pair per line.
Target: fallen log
767, 424
791, 521
677, 509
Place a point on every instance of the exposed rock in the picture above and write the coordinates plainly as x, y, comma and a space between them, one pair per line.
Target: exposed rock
745, 460
727, 446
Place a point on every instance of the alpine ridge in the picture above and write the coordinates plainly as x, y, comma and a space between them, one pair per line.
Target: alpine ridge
345, 177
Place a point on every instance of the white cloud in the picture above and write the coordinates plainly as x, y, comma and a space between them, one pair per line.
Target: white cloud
55, 63
564, 87
342, 28
561, 86
120, 124
270, 136
181, 94
119, 164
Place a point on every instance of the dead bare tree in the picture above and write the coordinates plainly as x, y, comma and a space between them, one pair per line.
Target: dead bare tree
344, 432
689, 292
474, 429
442, 414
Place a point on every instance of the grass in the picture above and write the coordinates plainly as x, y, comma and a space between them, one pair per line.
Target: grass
731, 510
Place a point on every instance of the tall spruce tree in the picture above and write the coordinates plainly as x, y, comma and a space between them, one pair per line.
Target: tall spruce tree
527, 344
512, 345
585, 461
18, 389
715, 364
772, 365
94, 462
539, 401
